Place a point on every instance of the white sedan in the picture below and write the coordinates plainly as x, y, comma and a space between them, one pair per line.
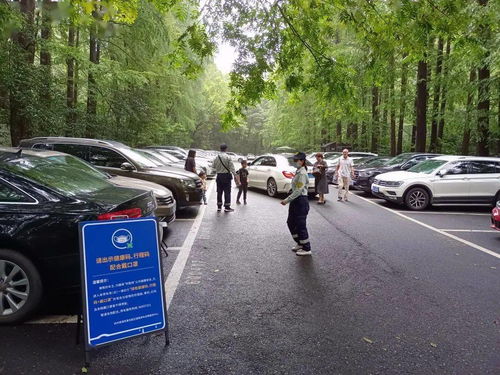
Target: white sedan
274, 173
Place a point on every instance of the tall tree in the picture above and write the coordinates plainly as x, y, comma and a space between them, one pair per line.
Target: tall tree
20, 90
483, 104
421, 106
402, 105
94, 57
437, 94
375, 123
444, 96
465, 149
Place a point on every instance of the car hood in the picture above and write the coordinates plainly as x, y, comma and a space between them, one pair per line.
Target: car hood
168, 171
157, 189
400, 176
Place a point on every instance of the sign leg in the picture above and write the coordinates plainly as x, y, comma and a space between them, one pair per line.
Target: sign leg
78, 328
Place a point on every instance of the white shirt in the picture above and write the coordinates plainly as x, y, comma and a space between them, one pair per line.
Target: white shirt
345, 166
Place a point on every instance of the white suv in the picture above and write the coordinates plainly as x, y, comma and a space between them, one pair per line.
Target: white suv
454, 180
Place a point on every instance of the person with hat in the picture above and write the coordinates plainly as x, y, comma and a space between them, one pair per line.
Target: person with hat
299, 207
224, 168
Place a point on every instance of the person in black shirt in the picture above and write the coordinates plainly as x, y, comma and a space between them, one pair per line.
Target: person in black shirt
242, 173
190, 164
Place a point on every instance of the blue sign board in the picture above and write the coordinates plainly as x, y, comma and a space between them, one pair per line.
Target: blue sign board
122, 280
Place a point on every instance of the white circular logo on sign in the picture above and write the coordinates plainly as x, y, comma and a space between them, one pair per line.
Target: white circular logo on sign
122, 239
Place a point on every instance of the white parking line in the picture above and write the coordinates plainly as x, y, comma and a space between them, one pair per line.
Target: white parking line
441, 213
175, 274
468, 243
185, 219
470, 230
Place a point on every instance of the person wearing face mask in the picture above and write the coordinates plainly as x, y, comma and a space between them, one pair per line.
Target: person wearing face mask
299, 207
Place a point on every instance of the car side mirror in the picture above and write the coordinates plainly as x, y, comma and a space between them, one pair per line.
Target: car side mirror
442, 172
249, 163
127, 166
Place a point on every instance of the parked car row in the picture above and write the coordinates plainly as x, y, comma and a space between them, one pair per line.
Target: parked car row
43, 197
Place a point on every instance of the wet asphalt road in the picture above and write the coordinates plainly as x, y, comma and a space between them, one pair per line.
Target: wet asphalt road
380, 295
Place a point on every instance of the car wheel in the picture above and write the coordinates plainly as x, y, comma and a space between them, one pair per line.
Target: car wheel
417, 199
272, 188
20, 287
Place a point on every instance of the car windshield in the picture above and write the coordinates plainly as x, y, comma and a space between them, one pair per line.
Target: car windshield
396, 160
142, 160
292, 163
78, 163
170, 157
332, 155
374, 162
154, 158
427, 166
60, 175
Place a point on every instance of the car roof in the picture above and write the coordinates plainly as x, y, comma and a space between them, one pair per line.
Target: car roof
464, 157
86, 141
31, 152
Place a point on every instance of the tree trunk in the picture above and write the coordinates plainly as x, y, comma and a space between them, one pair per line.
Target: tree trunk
421, 106
483, 105
70, 82
375, 119
444, 86
364, 140
402, 107
392, 118
437, 95
20, 92
94, 54
46, 33
468, 117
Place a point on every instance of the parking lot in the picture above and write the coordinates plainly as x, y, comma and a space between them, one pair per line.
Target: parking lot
386, 290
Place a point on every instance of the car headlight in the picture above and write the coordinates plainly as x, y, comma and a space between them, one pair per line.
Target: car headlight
189, 183
393, 183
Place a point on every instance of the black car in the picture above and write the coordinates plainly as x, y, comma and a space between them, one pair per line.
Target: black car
363, 177
41, 204
116, 158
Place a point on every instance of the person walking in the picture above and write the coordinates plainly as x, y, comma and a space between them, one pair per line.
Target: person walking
242, 174
190, 164
344, 171
320, 180
299, 207
224, 168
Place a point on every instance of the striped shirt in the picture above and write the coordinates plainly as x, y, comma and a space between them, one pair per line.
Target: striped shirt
222, 163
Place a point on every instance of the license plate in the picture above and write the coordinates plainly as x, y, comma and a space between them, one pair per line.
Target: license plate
375, 189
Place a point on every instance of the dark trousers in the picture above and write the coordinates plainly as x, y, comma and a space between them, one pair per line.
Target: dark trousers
243, 188
297, 217
224, 187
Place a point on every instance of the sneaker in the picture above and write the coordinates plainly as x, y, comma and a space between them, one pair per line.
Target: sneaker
219, 209
296, 248
238, 202
228, 209
303, 252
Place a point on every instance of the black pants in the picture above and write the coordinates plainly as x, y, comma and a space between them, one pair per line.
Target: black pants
243, 188
297, 217
224, 187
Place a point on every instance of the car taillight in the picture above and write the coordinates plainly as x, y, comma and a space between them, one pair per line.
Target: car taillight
130, 213
288, 174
